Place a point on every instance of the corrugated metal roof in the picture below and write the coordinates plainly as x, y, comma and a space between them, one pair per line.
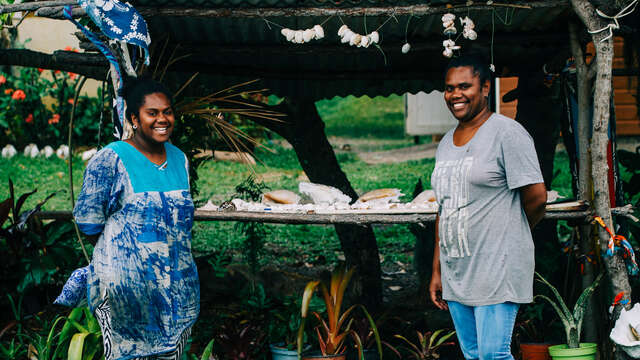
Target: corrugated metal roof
230, 50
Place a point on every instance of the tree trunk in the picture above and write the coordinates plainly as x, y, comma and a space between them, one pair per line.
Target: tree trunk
585, 238
604, 59
305, 132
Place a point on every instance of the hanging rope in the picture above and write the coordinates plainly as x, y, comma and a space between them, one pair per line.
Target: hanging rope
615, 25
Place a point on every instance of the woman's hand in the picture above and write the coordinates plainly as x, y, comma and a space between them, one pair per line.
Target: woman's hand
435, 290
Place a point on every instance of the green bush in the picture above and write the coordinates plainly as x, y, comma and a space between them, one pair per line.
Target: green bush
37, 109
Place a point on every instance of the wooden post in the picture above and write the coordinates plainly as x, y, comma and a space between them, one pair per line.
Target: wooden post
603, 87
584, 76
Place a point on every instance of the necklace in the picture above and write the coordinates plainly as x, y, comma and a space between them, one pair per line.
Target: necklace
162, 166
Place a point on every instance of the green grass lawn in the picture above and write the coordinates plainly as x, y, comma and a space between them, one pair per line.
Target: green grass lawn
379, 120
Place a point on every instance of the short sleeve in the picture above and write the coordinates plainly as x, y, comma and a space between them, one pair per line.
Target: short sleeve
519, 158
91, 209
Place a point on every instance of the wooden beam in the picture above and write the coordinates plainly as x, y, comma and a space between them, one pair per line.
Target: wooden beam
94, 66
319, 219
417, 10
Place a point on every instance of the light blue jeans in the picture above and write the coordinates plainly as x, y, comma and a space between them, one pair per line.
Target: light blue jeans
484, 332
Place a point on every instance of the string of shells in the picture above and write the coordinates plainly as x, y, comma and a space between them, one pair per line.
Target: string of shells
303, 36
354, 39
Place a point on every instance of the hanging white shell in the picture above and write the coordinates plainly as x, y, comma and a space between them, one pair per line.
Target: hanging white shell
346, 37
299, 37
405, 48
447, 52
448, 17
343, 29
450, 31
319, 31
355, 39
308, 35
375, 37
470, 34
365, 41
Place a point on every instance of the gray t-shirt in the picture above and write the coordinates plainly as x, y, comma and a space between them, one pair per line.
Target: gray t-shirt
486, 249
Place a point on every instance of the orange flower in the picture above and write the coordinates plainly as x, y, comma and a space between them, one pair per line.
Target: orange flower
2, 79
57, 72
29, 119
8, 91
55, 119
40, 70
70, 101
19, 95
69, 48
72, 76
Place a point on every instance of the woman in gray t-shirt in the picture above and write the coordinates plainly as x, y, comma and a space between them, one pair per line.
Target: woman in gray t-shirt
491, 193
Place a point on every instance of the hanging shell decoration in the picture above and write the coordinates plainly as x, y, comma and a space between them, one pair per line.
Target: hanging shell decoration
303, 36
405, 48
355, 39
449, 25
449, 46
468, 28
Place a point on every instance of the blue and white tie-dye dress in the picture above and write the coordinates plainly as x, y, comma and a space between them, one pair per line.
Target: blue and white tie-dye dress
142, 263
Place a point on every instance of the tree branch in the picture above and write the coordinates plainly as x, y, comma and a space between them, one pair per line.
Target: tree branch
90, 65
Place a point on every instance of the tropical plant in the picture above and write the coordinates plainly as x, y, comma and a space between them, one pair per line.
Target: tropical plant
45, 346
334, 330
572, 321
427, 346
83, 333
286, 321
240, 339
38, 253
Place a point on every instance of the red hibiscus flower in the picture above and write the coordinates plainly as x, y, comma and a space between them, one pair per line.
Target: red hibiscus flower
3, 80
29, 119
19, 95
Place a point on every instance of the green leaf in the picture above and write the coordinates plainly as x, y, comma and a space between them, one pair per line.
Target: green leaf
68, 329
206, 354
76, 346
445, 338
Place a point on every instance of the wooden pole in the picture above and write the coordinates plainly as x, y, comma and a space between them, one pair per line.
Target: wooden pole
583, 130
603, 86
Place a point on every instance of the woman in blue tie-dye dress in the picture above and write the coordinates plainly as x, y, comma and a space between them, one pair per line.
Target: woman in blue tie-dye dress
142, 283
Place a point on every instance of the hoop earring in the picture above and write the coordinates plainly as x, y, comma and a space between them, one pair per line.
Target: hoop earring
135, 127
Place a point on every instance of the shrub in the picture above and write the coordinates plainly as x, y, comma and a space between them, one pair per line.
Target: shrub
36, 109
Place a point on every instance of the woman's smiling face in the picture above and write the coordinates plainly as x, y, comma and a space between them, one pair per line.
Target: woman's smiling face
465, 96
155, 119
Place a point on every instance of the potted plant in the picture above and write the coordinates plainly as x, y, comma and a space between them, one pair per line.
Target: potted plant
529, 334
367, 335
336, 327
572, 322
283, 330
428, 345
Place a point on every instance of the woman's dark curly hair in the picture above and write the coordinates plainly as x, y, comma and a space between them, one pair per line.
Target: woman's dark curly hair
135, 90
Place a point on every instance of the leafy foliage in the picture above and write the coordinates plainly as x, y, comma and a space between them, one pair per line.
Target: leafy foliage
427, 346
36, 108
36, 252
